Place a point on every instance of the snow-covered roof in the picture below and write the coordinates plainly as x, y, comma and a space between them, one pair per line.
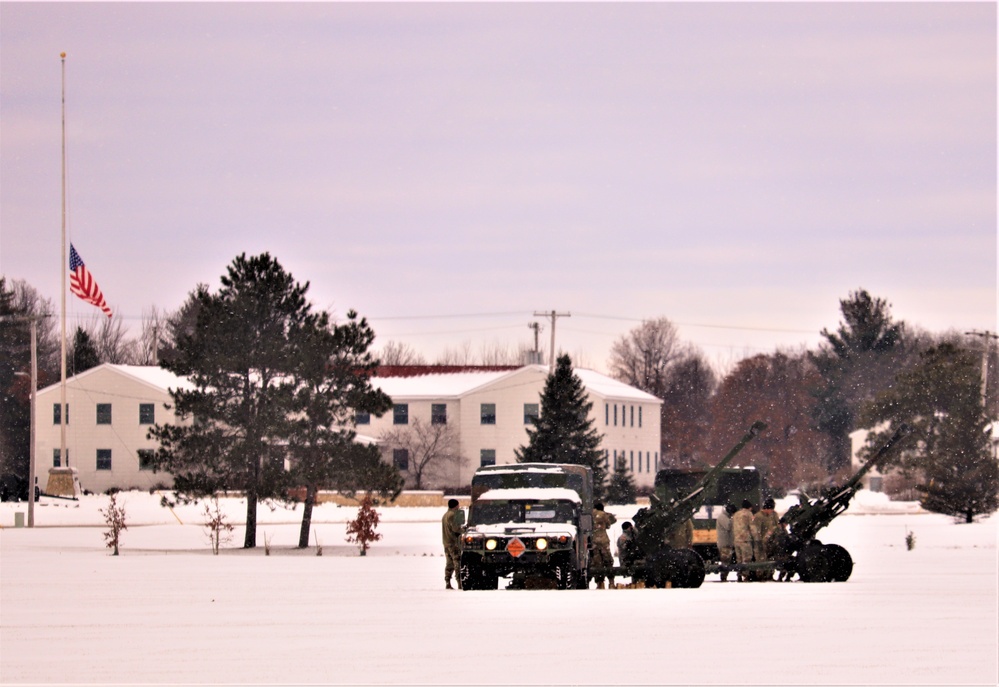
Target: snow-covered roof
456, 384
152, 375
534, 493
447, 385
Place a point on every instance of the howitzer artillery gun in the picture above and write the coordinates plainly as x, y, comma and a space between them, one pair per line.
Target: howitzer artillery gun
653, 560
798, 551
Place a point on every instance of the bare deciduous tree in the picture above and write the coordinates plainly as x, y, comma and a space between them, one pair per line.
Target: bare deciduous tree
432, 451
398, 353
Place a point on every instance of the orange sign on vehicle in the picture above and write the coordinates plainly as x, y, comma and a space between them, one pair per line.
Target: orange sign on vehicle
516, 547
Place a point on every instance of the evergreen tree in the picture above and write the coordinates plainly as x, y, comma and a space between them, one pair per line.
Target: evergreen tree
84, 354
239, 359
856, 363
333, 373
564, 433
622, 486
941, 400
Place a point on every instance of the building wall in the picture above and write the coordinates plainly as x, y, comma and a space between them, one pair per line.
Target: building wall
124, 437
509, 394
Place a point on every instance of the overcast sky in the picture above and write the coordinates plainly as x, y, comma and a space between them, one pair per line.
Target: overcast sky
737, 168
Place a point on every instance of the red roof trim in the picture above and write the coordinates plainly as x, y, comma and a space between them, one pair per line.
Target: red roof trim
420, 370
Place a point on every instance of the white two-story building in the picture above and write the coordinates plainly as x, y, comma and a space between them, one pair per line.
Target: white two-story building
110, 409
492, 409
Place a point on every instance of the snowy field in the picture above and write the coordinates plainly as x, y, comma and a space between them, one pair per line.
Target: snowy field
167, 611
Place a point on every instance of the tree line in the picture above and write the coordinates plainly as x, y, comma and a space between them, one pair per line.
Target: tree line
870, 372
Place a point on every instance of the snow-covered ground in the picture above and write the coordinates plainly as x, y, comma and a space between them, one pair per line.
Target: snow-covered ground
167, 611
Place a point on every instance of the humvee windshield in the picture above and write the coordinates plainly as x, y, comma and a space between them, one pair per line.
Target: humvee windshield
522, 511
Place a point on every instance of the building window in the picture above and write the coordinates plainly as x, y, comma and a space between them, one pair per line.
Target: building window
145, 458
615, 414
400, 414
103, 459
631, 464
606, 413
147, 414
57, 458
488, 413
438, 413
362, 418
531, 413
639, 417
56, 415
400, 458
487, 456
104, 413
632, 413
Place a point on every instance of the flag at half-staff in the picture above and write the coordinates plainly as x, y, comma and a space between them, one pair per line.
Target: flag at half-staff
82, 283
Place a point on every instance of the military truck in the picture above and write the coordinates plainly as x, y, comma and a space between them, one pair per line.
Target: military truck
528, 521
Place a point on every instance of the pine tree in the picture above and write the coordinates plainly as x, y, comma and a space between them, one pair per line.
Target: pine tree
333, 370
564, 432
239, 358
941, 400
622, 486
84, 354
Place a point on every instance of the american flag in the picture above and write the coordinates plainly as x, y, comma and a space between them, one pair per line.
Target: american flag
82, 283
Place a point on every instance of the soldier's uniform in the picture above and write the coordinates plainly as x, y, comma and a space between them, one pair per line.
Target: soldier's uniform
726, 544
683, 536
627, 547
600, 553
742, 534
452, 525
765, 523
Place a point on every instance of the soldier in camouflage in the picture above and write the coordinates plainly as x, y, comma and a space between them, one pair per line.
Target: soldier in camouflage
765, 524
452, 525
726, 543
742, 533
600, 553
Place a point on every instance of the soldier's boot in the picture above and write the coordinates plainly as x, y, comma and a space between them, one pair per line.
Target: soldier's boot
447, 582
600, 585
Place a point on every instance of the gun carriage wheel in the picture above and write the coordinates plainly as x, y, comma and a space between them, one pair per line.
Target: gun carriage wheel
840, 563
813, 563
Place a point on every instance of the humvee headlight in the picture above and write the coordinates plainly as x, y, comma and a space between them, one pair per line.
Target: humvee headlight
563, 539
541, 544
490, 545
473, 541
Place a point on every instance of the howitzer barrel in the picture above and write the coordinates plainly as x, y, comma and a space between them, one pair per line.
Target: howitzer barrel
808, 518
879, 457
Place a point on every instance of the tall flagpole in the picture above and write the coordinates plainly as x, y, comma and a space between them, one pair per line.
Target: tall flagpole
63, 410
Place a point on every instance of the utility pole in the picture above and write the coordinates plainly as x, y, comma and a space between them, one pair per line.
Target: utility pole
535, 356
554, 316
988, 337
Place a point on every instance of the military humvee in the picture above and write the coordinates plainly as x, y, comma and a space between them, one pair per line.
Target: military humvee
529, 521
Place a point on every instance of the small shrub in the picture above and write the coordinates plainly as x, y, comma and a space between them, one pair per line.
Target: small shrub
910, 540
219, 530
267, 545
114, 516
361, 530
319, 547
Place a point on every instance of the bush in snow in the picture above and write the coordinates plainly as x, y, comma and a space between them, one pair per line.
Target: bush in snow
361, 530
219, 530
114, 516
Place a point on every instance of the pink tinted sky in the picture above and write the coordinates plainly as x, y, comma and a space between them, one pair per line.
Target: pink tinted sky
448, 169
